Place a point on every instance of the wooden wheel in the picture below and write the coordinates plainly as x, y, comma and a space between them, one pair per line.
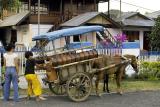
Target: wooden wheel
57, 89
79, 87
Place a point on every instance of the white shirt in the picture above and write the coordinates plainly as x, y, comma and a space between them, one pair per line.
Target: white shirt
10, 59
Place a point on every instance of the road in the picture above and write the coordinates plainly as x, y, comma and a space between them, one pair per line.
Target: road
131, 99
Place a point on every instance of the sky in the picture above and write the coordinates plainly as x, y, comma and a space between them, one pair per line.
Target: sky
151, 5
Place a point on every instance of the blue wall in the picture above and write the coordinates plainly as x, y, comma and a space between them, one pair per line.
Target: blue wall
130, 45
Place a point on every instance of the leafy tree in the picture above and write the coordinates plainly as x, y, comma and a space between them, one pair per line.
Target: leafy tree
154, 37
11, 5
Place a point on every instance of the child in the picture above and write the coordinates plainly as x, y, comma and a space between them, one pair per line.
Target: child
33, 82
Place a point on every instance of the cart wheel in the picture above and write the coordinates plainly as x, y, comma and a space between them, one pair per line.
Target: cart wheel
57, 88
79, 87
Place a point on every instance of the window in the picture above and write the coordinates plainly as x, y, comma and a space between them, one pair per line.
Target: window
43, 8
34, 7
76, 38
132, 35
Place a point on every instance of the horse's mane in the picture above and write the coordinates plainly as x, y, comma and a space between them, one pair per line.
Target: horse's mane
132, 57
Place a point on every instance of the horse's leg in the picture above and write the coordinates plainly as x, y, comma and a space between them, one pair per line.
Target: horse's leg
107, 82
104, 83
118, 84
96, 85
118, 80
99, 77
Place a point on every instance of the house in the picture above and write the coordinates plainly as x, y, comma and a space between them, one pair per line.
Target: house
93, 18
8, 27
153, 15
136, 27
52, 14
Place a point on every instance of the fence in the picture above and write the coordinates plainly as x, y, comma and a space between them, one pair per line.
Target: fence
147, 56
21, 51
150, 56
110, 52
144, 56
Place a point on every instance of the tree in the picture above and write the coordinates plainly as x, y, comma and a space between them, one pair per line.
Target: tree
10, 5
154, 37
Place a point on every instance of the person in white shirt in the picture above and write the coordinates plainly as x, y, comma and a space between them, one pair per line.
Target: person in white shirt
11, 73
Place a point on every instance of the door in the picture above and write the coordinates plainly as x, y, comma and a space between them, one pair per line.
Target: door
13, 36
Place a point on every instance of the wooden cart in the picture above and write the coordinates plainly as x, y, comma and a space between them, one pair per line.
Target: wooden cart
75, 74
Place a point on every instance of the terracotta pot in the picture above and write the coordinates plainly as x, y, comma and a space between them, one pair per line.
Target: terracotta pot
73, 57
95, 53
54, 60
82, 56
91, 54
57, 60
86, 55
77, 55
68, 58
61, 59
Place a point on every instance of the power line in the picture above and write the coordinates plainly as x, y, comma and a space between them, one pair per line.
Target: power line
135, 5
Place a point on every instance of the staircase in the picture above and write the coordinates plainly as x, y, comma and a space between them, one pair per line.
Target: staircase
108, 37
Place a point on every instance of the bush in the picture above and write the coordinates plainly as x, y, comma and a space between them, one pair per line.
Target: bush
149, 70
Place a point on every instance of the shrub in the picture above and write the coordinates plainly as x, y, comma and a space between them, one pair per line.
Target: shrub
149, 70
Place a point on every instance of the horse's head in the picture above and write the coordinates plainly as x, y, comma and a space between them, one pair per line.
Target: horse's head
133, 61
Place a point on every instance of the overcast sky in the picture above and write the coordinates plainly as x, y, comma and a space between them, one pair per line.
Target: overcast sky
152, 5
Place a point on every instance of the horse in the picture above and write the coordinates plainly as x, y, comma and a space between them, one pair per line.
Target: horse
118, 69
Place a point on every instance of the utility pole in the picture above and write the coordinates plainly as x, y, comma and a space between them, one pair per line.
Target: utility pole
120, 8
0, 9
38, 17
108, 8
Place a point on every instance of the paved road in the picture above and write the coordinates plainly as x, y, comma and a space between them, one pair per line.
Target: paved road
132, 99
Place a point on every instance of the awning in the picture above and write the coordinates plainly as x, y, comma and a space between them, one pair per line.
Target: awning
67, 32
14, 19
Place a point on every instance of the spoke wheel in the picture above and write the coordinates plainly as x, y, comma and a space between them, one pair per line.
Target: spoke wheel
57, 88
79, 87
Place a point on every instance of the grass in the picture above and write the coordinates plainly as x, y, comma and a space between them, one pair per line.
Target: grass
140, 85
127, 86
134, 85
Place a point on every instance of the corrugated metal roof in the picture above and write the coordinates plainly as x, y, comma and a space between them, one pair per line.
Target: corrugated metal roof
125, 15
80, 19
140, 23
153, 15
14, 19
126, 20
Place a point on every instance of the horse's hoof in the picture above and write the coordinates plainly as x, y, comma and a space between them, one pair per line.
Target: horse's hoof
98, 94
120, 93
